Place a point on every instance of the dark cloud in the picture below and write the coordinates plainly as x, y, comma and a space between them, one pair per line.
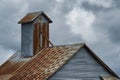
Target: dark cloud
104, 40
9, 30
94, 8
108, 22
117, 2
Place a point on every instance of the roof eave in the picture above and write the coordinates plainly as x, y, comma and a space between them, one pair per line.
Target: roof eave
24, 22
102, 63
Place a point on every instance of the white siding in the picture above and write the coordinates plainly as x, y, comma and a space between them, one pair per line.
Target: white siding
82, 66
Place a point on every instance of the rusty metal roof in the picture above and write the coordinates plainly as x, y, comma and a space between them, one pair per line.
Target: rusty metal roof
42, 65
32, 16
13, 63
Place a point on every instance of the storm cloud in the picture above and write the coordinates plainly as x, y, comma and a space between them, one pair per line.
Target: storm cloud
94, 22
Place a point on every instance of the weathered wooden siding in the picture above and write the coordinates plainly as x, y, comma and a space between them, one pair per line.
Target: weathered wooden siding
82, 66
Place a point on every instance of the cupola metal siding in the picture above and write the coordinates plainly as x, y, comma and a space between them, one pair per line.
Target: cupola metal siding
27, 40
35, 33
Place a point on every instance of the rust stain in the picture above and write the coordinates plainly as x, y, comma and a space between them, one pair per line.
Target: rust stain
45, 63
47, 33
37, 38
41, 37
29, 17
40, 67
10, 66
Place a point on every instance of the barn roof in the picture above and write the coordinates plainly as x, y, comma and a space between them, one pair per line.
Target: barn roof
32, 16
44, 64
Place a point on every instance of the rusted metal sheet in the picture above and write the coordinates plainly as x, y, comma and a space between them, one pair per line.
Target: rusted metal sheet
47, 33
11, 65
35, 35
41, 36
40, 67
5, 77
36, 41
32, 16
29, 17
45, 63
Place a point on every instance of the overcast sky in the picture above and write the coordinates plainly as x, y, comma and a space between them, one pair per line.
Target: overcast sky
94, 22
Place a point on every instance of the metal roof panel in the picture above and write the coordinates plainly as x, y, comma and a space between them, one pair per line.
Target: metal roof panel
42, 65
45, 63
32, 16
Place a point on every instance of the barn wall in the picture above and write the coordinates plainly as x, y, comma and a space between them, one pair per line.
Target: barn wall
27, 40
82, 66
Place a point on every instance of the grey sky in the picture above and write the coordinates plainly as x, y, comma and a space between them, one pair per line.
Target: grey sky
95, 22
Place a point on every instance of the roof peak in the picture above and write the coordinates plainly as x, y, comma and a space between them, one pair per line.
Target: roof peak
73, 44
30, 17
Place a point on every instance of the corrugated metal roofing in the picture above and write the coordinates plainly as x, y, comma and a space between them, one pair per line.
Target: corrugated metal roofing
44, 64
12, 64
32, 16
